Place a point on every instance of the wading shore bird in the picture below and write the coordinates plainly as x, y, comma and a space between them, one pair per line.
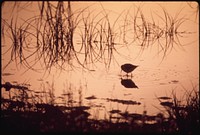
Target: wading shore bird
128, 68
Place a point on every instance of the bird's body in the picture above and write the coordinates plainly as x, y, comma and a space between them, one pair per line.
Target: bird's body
128, 67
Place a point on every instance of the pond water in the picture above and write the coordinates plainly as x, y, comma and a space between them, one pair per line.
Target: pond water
154, 76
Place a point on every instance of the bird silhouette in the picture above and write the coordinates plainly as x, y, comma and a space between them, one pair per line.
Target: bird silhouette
128, 68
128, 83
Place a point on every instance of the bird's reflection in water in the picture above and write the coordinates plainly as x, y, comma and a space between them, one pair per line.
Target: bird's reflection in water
128, 83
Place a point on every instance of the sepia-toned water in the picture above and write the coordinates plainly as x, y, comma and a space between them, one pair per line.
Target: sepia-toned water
155, 75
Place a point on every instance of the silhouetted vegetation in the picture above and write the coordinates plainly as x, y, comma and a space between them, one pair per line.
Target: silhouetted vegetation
34, 111
61, 37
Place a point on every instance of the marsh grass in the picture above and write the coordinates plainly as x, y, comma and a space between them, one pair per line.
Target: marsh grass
50, 37
42, 111
164, 32
184, 110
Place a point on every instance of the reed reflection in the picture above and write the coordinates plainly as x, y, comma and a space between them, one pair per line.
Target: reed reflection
66, 37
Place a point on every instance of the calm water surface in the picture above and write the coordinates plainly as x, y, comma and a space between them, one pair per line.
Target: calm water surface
154, 76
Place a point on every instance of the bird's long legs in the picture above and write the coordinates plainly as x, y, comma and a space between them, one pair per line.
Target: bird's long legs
127, 75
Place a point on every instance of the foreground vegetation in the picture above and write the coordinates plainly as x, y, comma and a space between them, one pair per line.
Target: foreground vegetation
28, 111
